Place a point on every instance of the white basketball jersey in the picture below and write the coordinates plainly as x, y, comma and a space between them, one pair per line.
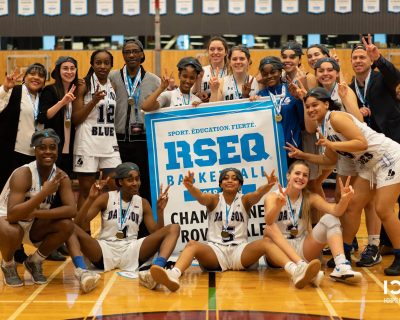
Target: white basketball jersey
335, 97
35, 189
208, 73
175, 98
110, 217
233, 219
285, 221
378, 143
96, 135
232, 91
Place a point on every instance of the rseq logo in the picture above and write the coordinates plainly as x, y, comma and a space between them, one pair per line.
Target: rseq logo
391, 288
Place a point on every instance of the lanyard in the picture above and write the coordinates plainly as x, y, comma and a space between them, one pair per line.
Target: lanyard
181, 96
292, 214
133, 88
363, 97
221, 73
68, 110
335, 92
324, 129
238, 94
278, 105
34, 103
228, 210
123, 217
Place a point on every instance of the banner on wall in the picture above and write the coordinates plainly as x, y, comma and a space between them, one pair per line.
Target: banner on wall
152, 7
184, 7
104, 7
237, 6
343, 6
79, 7
370, 6
205, 140
26, 7
290, 6
131, 7
210, 6
394, 6
3, 7
263, 6
52, 7
316, 6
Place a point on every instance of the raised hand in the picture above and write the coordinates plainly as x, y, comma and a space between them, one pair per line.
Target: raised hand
162, 198
69, 96
293, 152
214, 81
334, 55
11, 80
346, 191
246, 88
272, 179
165, 80
322, 140
98, 95
282, 195
51, 186
97, 187
372, 50
343, 89
188, 180
296, 90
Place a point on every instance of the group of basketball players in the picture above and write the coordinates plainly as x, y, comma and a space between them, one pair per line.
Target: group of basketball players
96, 124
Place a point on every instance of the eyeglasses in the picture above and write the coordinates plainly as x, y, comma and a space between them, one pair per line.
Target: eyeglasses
129, 52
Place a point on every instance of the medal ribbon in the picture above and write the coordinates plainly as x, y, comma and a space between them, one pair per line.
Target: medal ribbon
121, 217
278, 105
363, 97
238, 94
184, 103
228, 210
131, 88
292, 214
324, 129
221, 73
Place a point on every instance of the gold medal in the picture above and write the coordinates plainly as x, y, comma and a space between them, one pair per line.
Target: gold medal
294, 232
120, 235
224, 234
131, 101
67, 123
278, 117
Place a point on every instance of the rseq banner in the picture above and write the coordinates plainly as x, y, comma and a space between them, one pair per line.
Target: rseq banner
205, 140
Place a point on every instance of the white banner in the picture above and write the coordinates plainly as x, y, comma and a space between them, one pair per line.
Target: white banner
263, 6
371, 6
394, 6
104, 7
26, 7
205, 140
131, 7
236, 6
184, 7
210, 6
3, 7
52, 7
79, 7
290, 6
343, 6
316, 6
152, 7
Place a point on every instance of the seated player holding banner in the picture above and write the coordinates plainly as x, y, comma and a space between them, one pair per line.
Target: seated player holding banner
118, 245
227, 247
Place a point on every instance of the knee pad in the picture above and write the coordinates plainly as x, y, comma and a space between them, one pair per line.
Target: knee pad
327, 226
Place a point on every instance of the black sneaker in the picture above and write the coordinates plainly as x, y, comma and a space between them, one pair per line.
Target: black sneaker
394, 269
56, 256
331, 262
35, 269
369, 257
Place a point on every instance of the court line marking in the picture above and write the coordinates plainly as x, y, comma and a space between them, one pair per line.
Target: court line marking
30, 299
100, 300
331, 309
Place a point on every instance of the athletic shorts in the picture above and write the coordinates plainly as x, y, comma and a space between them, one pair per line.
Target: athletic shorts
229, 256
122, 254
346, 167
386, 172
26, 239
91, 164
298, 244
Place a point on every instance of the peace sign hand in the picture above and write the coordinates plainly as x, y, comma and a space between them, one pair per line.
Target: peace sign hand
282, 195
334, 55
272, 179
97, 187
372, 50
214, 81
297, 91
246, 88
322, 140
188, 180
293, 152
98, 95
11, 80
162, 198
165, 80
69, 96
51, 186
346, 191
343, 89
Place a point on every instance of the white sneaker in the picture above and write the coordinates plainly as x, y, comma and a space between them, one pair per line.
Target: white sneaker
165, 277
305, 272
146, 280
87, 279
318, 279
344, 273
